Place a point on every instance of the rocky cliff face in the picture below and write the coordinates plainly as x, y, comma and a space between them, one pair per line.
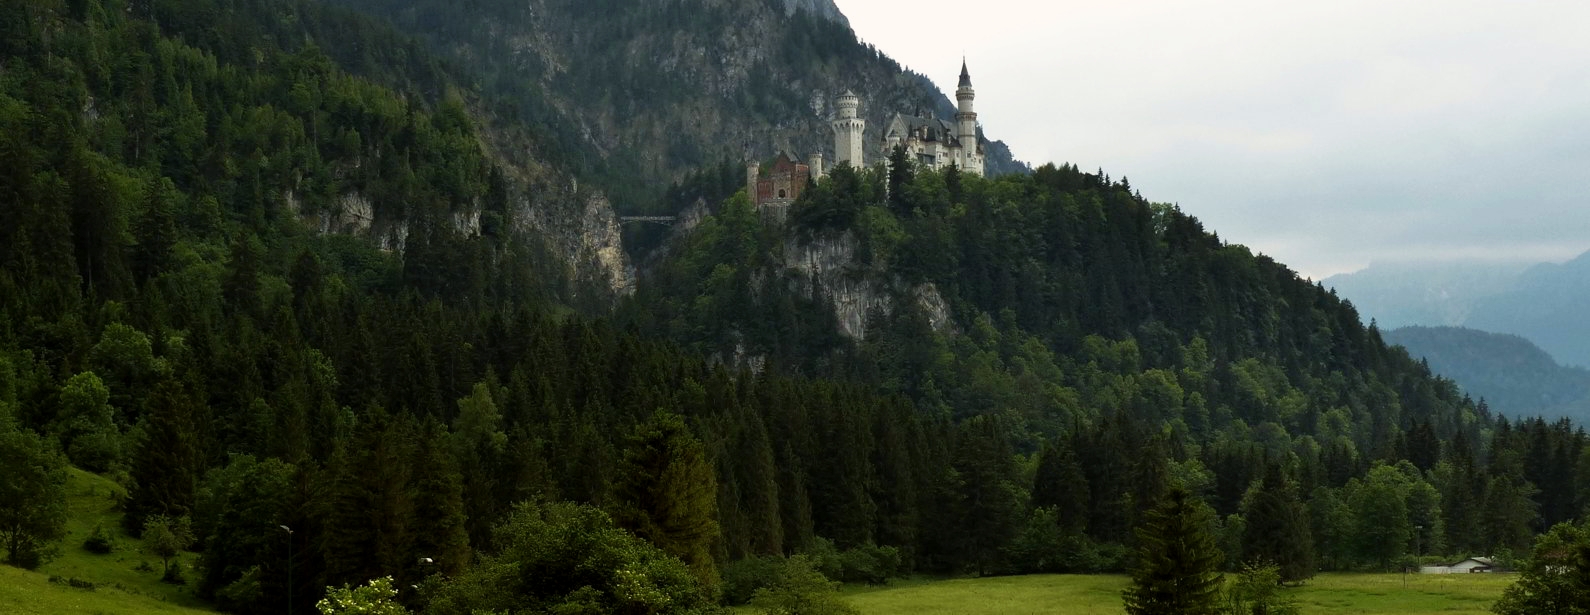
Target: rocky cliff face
826, 266
579, 227
583, 230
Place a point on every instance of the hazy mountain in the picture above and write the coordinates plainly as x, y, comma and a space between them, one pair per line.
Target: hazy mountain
1514, 376
1403, 294
1547, 304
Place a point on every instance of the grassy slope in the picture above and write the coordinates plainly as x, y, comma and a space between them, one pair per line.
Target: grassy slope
1328, 594
119, 586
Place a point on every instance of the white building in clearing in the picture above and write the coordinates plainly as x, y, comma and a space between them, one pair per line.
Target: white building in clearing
1472, 564
931, 142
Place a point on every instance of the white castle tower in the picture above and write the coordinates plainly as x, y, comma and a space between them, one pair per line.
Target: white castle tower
847, 130
966, 126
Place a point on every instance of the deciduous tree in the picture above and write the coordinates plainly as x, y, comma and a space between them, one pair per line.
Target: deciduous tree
32, 497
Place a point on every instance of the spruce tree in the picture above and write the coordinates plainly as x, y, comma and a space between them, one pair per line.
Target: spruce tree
1178, 561
166, 468
1278, 531
667, 493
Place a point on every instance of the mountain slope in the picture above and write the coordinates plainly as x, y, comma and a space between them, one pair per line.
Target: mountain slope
1547, 305
1514, 376
658, 89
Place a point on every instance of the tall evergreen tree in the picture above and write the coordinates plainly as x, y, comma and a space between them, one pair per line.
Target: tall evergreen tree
166, 469
1277, 529
1178, 563
666, 493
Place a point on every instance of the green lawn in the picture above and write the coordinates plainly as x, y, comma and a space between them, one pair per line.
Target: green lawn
119, 585
1455, 594
1327, 594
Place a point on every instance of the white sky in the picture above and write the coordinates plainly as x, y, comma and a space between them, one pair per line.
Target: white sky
1326, 135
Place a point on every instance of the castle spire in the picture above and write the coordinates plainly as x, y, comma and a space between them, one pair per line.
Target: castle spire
966, 77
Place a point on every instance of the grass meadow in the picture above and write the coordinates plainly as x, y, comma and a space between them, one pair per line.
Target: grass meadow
125, 581
1327, 594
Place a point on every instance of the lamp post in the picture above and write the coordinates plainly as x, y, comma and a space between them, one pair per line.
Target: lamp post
289, 568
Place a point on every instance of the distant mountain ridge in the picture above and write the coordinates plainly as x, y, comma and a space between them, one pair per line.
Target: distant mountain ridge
1429, 294
1549, 304
1544, 303
1514, 376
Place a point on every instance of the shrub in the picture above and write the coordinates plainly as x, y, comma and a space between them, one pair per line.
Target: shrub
825, 558
741, 579
173, 574
800, 588
869, 564
99, 542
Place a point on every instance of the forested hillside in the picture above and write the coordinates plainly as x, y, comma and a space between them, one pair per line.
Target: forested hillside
1120, 349
1512, 375
283, 273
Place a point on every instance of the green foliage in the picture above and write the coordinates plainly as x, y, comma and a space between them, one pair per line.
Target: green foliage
801, 590
870, 564
667, 493
100, 542
32, 498
1277, 533
1555, 578
167, 537
166, 467
1178, 563
377, 597
1257, 591
743, 577
564, 557
238, 513
86, 424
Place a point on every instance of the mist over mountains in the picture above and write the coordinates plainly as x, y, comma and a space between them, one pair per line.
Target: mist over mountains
1544, 303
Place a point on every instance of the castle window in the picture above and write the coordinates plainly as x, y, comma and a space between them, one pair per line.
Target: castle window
781, 194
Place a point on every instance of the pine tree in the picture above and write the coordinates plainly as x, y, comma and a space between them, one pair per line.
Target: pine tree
1178, 563
667, 493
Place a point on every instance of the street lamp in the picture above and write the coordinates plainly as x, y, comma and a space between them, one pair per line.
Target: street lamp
289, 567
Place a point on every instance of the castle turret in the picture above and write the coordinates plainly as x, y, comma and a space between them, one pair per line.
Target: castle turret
848, 129
816, 165
971, 158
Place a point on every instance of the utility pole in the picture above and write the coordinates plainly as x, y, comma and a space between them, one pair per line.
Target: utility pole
289, 568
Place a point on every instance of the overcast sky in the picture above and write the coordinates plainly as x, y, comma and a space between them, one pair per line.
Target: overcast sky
1328, 135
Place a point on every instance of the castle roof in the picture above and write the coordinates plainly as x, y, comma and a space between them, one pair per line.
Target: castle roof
925, 128
966, 77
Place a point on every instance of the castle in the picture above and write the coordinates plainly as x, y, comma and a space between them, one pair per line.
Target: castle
931, 142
